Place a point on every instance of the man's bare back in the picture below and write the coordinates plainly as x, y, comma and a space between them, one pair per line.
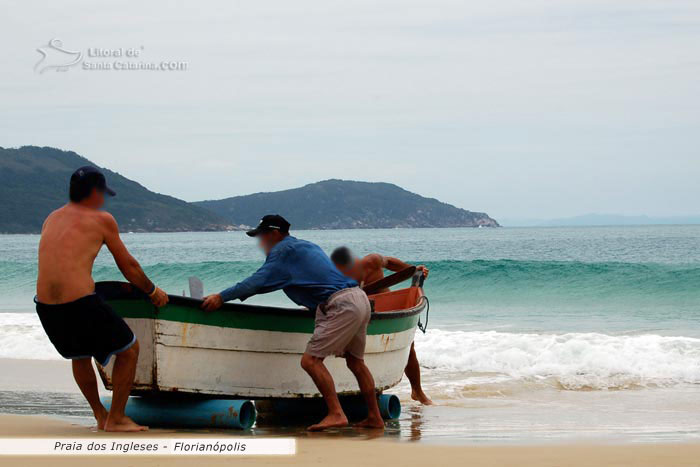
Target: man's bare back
71, 238
79, 324
373, 266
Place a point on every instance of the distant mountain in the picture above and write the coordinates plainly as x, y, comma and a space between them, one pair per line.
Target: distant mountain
602, 219
342, 204
34, 182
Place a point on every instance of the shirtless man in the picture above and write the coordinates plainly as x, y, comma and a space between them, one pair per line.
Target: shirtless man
370, 269
79, 324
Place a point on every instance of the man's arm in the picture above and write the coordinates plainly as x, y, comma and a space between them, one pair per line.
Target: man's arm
127, 264
394, 264
268, 278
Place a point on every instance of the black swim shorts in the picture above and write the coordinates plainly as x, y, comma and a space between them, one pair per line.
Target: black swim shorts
85, 328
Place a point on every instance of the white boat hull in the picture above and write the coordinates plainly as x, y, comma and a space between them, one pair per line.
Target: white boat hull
191, 357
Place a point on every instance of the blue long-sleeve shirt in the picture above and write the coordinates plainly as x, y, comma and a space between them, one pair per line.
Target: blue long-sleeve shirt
300, 268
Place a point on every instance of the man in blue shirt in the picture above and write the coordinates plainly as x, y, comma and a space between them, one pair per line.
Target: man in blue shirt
309, 278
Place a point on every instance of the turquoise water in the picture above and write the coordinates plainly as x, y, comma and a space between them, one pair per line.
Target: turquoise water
598, 279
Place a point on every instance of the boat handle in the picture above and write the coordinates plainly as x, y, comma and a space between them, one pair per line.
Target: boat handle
421, 326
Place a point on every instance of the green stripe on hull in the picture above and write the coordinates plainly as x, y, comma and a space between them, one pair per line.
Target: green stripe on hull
243, 320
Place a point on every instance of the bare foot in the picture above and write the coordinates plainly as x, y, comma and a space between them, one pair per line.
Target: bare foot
123, 424
101, 418
421, 397
370, 422
331, 421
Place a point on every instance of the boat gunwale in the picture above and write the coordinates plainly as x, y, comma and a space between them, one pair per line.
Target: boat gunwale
118, 290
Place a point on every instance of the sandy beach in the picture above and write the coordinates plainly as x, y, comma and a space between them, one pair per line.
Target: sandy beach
329, 450
347, 447
491, 414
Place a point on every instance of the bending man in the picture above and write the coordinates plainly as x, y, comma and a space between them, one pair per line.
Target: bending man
370, 269
304, 272
79, 324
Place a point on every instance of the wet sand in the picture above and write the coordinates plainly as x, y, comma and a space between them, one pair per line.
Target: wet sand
399, 444
37, 375
327, 450
491, 415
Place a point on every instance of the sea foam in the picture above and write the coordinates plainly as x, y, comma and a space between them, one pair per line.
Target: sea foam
573, 360
21, 336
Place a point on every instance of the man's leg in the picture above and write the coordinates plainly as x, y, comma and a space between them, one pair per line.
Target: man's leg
122, 379
84, 375
366, 382
413, 373
324, 382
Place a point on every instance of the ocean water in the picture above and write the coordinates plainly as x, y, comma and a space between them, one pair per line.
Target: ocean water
523, 321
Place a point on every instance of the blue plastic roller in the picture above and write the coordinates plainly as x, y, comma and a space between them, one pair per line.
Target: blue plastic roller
291, 411
189, 413
389, 406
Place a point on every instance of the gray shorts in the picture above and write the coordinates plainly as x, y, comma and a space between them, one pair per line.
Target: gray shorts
341, 327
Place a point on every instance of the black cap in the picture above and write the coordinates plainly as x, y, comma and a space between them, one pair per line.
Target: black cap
88, 177
269, 223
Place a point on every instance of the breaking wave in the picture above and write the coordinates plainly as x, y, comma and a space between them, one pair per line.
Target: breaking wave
571, 361
21, 336
480, 281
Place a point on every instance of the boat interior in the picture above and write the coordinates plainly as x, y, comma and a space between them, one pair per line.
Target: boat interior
403, 299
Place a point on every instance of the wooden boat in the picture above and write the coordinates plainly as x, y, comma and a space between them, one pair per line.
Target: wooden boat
250, 351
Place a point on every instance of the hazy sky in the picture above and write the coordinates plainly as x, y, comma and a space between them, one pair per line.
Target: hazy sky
529, 108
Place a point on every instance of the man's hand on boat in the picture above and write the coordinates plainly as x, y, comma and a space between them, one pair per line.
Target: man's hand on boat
423, 269
212, 302
158, 297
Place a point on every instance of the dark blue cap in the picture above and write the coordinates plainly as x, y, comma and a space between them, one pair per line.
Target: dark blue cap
88, 177
269, 223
